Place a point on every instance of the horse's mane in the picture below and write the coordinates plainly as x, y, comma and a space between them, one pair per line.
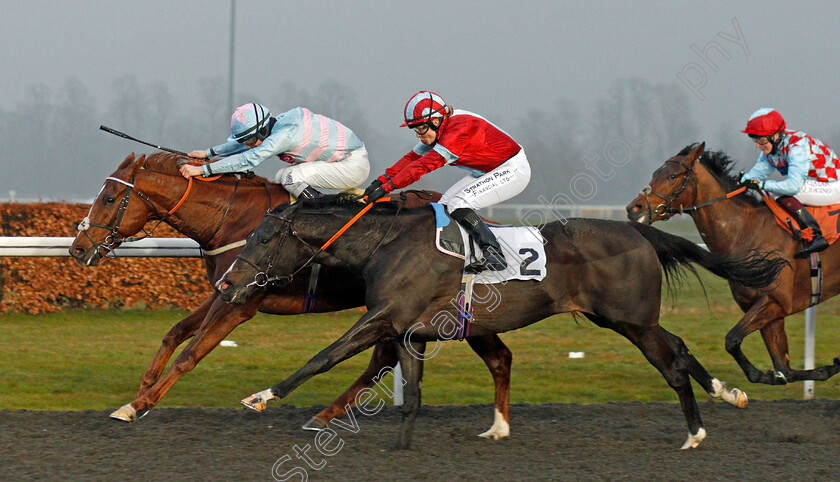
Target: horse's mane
343, 202
720, 165
168, 163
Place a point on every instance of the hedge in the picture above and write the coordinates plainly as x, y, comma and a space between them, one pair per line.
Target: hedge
47, 284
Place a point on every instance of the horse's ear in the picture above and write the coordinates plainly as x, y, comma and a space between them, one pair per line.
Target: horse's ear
127, 162
137, 165
697, 152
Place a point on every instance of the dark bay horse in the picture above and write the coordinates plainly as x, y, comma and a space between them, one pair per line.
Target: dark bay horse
696, 182
611, 272
217, 215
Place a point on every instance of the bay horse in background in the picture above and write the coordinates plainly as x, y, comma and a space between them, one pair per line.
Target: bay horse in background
696, 182
609, 271
217, 215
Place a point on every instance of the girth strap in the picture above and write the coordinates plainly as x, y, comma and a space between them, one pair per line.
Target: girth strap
465, 305
816, 279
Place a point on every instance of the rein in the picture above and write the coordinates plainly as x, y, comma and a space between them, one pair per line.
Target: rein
665, 207
261, 278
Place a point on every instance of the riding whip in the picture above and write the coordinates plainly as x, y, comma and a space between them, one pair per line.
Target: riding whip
126, 136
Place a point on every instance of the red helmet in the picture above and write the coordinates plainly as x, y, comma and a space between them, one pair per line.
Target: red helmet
764, 122
422, 106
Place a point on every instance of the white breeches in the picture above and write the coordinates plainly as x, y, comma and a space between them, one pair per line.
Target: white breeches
349, 172
498, 185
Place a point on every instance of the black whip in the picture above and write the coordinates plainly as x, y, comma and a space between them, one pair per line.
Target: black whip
126, 136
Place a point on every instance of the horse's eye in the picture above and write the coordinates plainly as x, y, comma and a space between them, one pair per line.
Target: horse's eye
264, 240
109, 200
672, 177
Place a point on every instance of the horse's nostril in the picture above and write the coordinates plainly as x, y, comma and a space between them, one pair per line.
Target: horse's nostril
225, 285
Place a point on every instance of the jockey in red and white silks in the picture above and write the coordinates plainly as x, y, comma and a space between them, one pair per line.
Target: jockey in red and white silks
322, 151
809, 165
498, 167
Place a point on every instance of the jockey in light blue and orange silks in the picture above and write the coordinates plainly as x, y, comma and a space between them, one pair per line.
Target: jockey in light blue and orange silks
811, 170
322, 151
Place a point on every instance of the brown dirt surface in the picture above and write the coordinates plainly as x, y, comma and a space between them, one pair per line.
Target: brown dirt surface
771, 440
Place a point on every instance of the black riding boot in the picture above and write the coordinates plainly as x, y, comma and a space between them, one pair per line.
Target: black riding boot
309, 193
805, 220
493, 259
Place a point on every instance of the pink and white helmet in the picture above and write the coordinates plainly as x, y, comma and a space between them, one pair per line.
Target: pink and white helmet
422, 107
248, 120
764, 122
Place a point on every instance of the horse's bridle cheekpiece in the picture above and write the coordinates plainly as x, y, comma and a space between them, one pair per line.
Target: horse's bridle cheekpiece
665, 207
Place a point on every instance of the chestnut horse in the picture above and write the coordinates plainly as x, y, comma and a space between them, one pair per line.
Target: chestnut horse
609, 271
697, 182
217, 215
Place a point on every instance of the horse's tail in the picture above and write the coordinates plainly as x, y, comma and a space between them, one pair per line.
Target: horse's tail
753, 269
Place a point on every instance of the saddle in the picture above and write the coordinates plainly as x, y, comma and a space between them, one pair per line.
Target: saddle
523, 248
826, 216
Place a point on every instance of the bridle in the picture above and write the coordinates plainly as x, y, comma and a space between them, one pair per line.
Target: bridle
262, 277
113, 239
665, 207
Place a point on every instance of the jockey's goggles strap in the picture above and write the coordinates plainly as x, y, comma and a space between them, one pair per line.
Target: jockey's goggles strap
353, 220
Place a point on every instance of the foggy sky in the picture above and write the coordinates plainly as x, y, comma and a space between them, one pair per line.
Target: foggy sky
499, 59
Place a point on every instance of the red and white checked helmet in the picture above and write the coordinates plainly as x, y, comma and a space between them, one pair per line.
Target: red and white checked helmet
764, 122
422, 107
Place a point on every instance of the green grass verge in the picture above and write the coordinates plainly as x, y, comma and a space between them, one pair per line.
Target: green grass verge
93, 359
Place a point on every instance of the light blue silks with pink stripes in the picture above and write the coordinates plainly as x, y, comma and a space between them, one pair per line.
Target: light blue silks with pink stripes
298, 135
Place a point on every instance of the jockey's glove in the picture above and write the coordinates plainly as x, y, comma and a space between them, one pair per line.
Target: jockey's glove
375, 191
751, 184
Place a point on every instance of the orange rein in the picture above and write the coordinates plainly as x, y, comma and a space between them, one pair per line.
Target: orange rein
683, 210
736, 192
189, 187
350, 223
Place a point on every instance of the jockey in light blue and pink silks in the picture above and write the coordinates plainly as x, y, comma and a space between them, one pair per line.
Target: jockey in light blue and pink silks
322, 151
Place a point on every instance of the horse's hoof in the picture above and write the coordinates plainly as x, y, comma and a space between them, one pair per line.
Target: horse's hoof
499, 430
694, 440
257, 401
316, 425
126, 413
741, 400
254, 402
495, 434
